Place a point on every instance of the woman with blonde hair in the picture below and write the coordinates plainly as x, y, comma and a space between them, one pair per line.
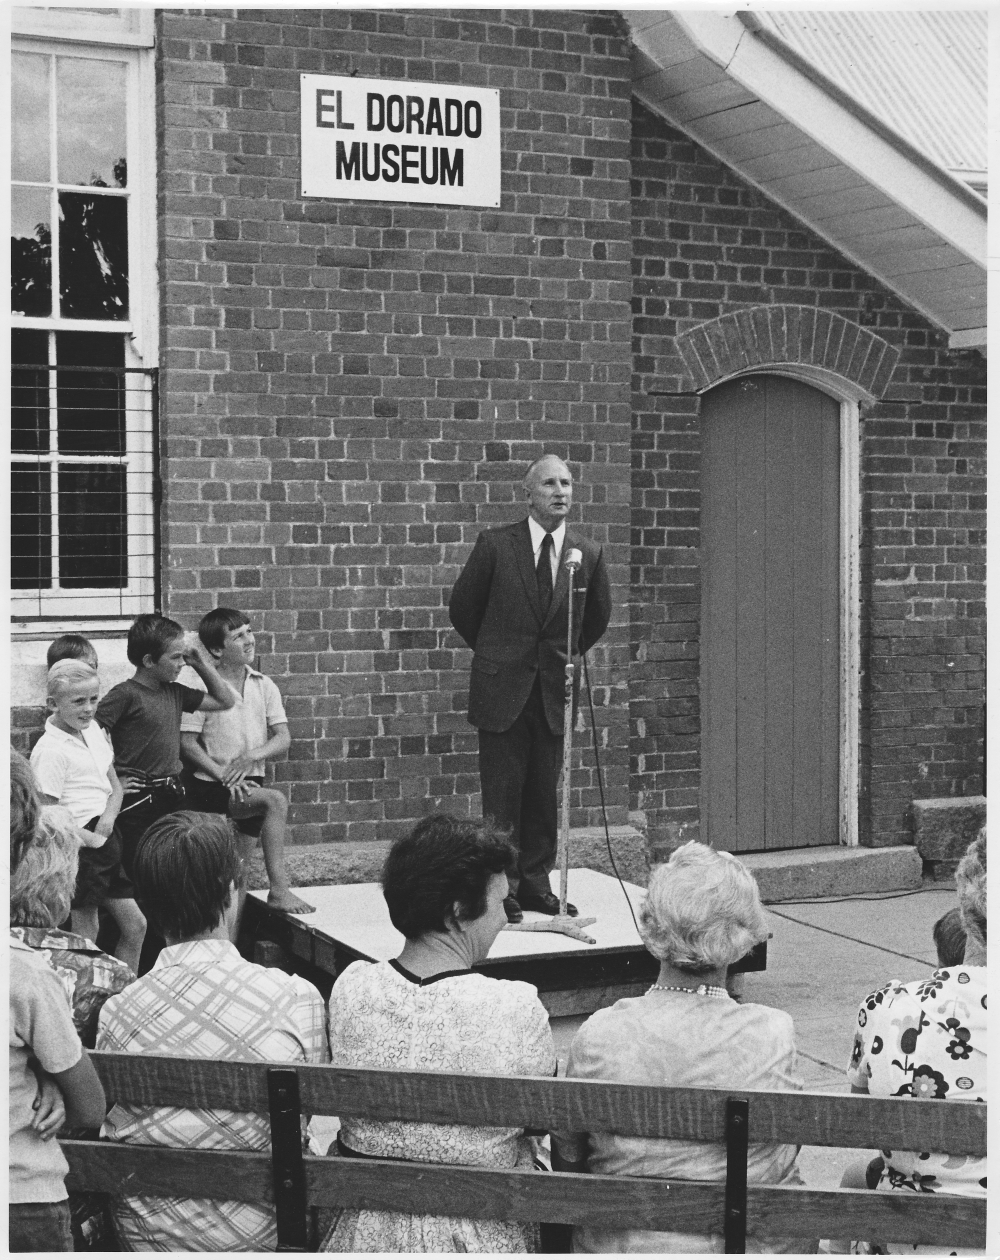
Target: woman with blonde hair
702, 912
41, 889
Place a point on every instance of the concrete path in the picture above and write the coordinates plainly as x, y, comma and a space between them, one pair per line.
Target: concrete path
823, 958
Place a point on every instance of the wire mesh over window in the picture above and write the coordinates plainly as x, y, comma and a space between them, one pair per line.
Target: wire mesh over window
82, 476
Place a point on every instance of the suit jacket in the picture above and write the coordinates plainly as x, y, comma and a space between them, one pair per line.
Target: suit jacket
494, 607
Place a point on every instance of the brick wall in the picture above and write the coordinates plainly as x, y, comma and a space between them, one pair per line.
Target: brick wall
705, 244
350, 391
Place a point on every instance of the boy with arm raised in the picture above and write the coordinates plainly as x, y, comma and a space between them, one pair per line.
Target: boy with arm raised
226, 753
143, 717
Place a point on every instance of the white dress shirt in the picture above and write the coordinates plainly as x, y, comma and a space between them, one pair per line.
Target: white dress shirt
558, 536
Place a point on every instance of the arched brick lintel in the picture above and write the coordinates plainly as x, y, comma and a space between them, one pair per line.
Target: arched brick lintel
801, 336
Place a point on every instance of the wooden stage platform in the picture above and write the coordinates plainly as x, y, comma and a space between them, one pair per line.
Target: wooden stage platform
351, 922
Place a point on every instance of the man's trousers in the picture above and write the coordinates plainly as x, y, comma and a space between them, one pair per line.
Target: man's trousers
519, 771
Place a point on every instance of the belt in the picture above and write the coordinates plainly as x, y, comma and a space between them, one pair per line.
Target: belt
148, 791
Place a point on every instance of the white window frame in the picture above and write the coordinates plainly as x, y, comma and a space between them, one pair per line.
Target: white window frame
124, 36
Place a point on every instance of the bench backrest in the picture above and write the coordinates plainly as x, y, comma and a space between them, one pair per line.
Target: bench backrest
293, 1181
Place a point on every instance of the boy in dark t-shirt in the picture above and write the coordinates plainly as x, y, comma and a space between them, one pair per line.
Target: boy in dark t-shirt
143, 717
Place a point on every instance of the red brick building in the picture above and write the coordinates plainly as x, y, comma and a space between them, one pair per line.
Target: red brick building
758, 343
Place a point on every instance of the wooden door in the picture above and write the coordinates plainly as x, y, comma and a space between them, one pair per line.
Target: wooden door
770, 636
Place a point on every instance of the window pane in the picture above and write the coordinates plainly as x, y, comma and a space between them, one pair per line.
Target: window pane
90, 122
93, 256
31, 528
29, 413
29, 117
30, 252
92, 526
91, 404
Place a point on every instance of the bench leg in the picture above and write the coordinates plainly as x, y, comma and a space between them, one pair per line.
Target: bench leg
287, 1169
737, 1129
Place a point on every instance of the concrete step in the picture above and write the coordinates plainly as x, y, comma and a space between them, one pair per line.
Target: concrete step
835, 871
785, 875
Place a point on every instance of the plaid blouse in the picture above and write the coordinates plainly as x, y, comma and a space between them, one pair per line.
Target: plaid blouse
202, 1000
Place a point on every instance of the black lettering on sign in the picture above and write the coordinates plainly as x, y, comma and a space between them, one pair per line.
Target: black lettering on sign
410, 163
473, 110
390, 172
434, 124
453, 168
342, 122
414, 115
370, 176
432, 178
452, 109
376, 101
322, 108
394, 102
348, 165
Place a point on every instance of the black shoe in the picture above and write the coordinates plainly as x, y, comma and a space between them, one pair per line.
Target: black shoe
514, 914
546, 903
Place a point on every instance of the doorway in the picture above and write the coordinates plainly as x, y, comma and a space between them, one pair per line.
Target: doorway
771, 615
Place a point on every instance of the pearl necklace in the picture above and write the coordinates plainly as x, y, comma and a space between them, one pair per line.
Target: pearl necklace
703, 990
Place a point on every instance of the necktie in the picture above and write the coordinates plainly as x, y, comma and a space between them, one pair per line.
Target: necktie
543, 573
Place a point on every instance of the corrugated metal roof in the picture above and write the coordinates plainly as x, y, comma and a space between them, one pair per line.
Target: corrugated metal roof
922, 73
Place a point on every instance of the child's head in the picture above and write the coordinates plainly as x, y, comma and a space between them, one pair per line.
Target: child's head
152, 637
72, 693
185, 869
71, 647
949, 937
42, 884
25, 806
227, 635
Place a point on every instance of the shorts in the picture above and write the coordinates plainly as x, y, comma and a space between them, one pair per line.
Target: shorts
40, 1227
143, 808
213, 798
101, 876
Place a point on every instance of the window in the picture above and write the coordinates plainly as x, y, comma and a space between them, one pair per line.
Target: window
83, 339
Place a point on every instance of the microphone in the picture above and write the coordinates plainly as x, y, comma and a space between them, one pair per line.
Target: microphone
574, 558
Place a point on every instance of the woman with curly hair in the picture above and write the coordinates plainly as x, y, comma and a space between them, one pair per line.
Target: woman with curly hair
430, 1010
702, 912
927, 1040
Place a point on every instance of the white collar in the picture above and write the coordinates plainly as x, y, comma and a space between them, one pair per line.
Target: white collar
58, 733
538, 533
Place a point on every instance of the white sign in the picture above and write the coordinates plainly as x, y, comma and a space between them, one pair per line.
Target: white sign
392, 140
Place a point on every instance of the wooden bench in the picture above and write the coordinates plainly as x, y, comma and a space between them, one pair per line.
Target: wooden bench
294, 1182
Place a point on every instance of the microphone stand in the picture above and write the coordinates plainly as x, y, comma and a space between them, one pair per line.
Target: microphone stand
572, 563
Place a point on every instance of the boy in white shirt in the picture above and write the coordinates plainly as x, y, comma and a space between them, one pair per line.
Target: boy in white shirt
225, 753
73, 764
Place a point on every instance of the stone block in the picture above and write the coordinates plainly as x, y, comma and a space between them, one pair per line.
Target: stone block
838, 871
944, 827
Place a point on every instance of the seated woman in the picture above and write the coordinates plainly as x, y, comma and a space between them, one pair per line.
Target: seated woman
702, 912
41, 888
924, 1040
444, 885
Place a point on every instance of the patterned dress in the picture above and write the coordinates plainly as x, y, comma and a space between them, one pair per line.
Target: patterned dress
925, 1040
381, 1017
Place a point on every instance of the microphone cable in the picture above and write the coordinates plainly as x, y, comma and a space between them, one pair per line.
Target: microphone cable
600, 785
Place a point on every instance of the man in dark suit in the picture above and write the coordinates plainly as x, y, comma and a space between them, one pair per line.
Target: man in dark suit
510, 605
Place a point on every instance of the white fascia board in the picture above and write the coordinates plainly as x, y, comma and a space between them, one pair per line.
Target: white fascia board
968, 339
806, 104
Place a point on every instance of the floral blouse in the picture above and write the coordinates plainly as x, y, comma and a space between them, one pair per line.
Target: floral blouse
89, 975
926, 1040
